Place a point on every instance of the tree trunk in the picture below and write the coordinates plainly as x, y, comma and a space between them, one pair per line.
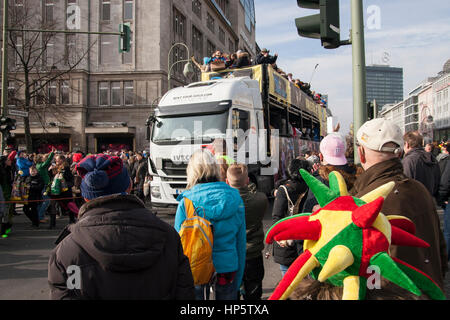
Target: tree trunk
26, 120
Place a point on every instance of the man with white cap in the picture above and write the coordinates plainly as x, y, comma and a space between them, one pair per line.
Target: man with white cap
379, 144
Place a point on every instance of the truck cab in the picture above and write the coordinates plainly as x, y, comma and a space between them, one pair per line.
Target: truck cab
191, 117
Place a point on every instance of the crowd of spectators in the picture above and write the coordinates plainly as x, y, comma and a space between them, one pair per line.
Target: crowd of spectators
48, 184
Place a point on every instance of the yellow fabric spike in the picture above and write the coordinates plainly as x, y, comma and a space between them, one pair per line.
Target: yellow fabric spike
339, 258
351, 288
307, 268
381, 191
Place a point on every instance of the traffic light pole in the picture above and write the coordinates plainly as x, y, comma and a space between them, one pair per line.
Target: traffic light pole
359, 70
4, 68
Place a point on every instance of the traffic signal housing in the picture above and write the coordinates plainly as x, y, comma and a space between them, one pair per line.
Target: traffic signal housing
125, 38
370, 111
7, 124
324, 25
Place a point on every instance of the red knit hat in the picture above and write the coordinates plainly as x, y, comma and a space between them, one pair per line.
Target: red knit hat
77, 157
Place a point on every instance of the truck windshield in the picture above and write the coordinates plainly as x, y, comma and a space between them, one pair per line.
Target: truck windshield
203, 128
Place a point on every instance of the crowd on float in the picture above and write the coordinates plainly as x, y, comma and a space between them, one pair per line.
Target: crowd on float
125, 251
242, 59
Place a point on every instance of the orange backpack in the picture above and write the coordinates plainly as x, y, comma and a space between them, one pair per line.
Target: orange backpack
197, 239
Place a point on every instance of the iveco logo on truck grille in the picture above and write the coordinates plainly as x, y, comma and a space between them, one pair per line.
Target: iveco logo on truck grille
181, 158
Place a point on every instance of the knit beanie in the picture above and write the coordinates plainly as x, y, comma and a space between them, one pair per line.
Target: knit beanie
102, 175
77, 157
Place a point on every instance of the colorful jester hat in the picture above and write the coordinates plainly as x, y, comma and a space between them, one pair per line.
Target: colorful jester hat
345, 237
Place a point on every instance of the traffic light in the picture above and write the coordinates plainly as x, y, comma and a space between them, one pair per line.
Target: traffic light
370, 111
7, 124
125, 38
324, 25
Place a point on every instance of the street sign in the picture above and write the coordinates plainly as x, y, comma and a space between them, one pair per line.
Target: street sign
18, 113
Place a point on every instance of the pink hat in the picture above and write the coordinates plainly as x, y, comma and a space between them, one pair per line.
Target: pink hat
332, 148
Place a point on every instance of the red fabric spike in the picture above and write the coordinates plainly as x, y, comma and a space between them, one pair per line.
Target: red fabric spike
365, 215
290, 275
374, 241
403, 224
402, 238
297, 228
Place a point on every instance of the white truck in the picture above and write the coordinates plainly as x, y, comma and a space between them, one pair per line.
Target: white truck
263, 117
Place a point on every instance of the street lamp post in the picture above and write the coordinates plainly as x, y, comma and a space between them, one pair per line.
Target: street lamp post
188, 69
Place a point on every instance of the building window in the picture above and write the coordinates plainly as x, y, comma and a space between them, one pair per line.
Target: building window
178, 54
197, 8
64, 92
116, 96
49, 55
230, 46
197, 42
19, 50
71, 48
103, 94
128, 87
210, 48
49, 6
210, 22
221, 35
19, 10
128, 10
249, 9
11, 93
52, 92
106, 10
106, 50
179, 26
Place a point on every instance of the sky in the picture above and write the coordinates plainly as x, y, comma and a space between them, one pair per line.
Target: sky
413, 34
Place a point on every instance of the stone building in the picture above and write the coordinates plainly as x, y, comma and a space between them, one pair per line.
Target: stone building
104, 102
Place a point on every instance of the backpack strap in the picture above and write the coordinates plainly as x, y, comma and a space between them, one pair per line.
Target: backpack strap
189, 207
287, 195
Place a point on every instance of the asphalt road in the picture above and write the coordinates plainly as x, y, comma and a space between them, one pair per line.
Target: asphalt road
24, 257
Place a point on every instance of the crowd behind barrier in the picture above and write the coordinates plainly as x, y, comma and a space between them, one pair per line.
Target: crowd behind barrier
107, 221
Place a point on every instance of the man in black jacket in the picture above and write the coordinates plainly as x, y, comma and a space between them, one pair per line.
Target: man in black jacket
118, 249
419, 164
255, 207
264, 58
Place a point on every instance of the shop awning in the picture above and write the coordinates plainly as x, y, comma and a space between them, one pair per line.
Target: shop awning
99, 130
51, 130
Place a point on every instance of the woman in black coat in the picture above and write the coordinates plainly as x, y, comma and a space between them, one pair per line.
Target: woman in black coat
61, 167
285, 253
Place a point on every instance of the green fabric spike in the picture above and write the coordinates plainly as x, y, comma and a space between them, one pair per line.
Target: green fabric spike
334, 184
323, 194
393, 273
362, 288
426, 285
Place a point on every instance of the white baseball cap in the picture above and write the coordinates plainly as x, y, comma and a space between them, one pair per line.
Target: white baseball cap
374, 134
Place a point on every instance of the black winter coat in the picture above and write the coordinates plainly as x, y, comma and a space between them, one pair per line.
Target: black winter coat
422, 166
286, 255
261, 59
36, 186
124, 252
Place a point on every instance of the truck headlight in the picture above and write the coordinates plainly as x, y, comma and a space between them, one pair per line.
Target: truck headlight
156, 192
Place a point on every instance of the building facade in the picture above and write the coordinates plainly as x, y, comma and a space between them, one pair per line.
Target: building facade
384, 84
441, 101
395, 113
103, 103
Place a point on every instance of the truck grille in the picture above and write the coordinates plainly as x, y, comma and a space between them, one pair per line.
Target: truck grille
172, 169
